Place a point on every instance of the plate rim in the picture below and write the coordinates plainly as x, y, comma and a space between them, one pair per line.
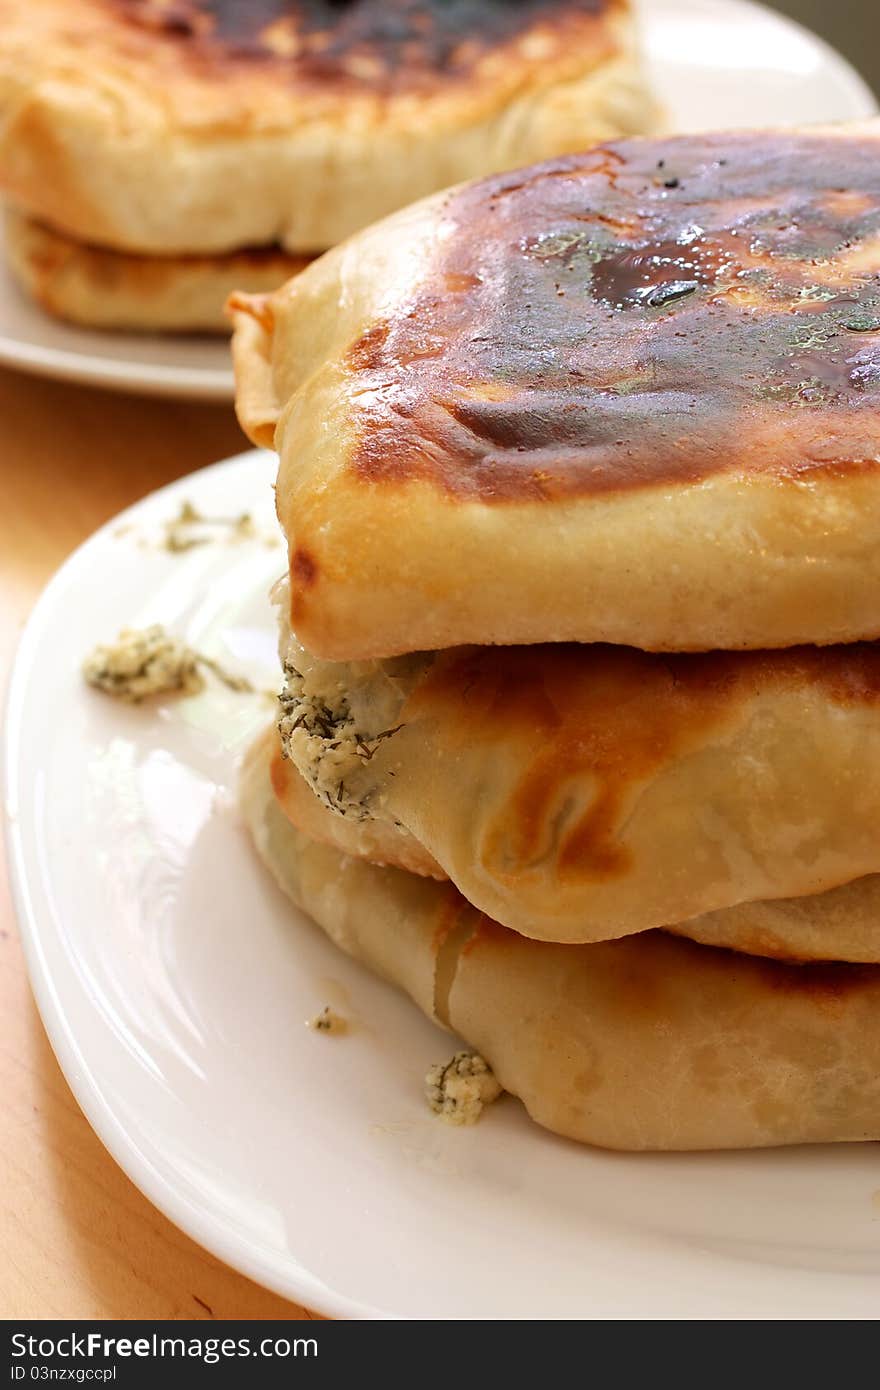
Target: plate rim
860, 86
206, 1230
107, 373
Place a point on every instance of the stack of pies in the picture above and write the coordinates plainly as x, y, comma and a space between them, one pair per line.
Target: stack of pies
157, 153
579, 740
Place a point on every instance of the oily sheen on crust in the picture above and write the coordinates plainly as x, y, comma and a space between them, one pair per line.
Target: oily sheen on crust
200, 126
650, 373
648, 1043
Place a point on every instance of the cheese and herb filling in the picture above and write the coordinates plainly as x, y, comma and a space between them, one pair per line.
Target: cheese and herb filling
144, 662
329, 1021
189, 528
460, 1090
151, 661
334, 719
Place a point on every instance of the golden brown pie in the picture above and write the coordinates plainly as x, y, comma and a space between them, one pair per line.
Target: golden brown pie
582, 792
100, 288
172, 126
630, 396
647, 1043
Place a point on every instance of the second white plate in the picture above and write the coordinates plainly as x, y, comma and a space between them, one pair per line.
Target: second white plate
713, 63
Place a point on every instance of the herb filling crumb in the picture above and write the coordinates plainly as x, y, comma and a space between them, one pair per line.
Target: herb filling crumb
144, 662
189, 529
329, 1022
149, 661
321, 736
458, 1091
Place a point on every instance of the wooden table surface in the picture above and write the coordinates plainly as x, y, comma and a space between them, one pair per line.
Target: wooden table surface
79, 1240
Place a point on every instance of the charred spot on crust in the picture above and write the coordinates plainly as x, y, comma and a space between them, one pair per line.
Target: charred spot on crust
658, 272
303, 569
372, 42
646, 313
825, 985
852, 677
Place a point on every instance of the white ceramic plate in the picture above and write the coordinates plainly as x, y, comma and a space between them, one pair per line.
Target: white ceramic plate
197, 367
731, 63
175, 983
712, 63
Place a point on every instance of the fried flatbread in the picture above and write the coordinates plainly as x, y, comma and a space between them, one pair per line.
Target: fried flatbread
578, 793
648, 1043
99, 288
842, 924
629, 396
207, 125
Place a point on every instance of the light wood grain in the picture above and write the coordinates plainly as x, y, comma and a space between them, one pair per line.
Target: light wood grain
78, 1239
